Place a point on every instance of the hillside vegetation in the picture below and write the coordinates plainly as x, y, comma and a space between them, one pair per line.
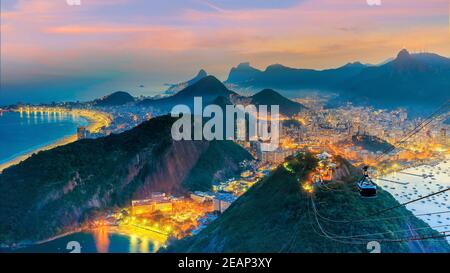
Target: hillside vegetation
276, 215
371, 143
55, 190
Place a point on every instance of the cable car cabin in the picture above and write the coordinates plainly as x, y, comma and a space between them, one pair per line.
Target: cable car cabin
367, 188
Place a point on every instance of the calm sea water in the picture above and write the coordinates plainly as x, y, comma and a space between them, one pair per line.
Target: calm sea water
98, 241
416, 187
19, 135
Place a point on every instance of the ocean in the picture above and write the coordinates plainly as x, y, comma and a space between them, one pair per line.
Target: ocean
102, 240
435, 210
22, 134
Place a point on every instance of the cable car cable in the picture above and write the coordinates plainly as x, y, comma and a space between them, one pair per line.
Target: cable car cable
364, 241
409, 202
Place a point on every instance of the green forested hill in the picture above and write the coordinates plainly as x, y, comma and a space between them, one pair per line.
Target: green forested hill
270, 97
371, 143
221, 155
276, 215
55, 190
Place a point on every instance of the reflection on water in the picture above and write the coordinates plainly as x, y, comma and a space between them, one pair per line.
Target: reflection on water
133, 243
144, 245
101, 239
105, 240
143, 241
436, 178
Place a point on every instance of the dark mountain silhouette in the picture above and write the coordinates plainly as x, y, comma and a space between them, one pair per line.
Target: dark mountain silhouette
422, 78
243, 74
213, 91
209, 88
54, 191
267, 97
270, 97
278, 76
371, 143
115, 99
175, 88
276, 215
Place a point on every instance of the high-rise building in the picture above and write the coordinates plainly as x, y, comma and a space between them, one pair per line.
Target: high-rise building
443, 136
222, 201
82, 132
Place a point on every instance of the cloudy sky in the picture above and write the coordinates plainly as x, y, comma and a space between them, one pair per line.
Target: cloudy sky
54, 51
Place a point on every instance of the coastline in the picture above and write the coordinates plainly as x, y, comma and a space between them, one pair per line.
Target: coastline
58, 236
134, 234
112, 229
93, 125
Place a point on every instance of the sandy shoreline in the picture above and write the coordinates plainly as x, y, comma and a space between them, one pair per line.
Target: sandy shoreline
93, 125
58, 236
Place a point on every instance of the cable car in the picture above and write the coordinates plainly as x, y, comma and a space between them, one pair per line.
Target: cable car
367, 188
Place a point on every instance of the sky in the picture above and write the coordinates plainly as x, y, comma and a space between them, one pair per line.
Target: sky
52, 51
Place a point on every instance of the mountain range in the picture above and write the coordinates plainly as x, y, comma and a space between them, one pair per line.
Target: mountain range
210, 88
277, 76
422, 78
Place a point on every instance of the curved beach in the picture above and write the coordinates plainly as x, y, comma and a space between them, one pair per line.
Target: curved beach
96, 120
